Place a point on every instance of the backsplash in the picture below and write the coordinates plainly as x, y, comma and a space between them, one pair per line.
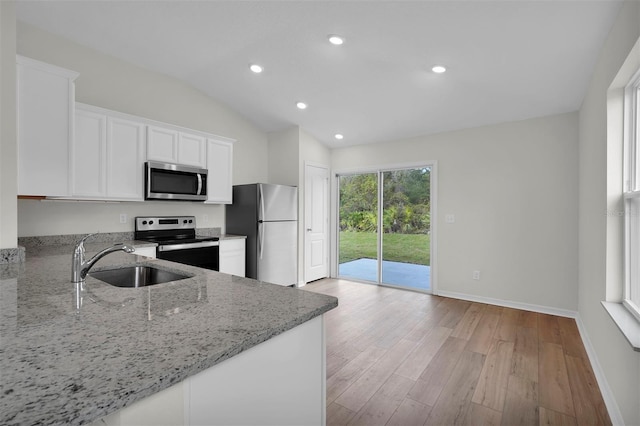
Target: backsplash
37, 218
103, 237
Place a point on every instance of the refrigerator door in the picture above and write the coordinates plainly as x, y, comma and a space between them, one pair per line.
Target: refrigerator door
277, 253
277, 202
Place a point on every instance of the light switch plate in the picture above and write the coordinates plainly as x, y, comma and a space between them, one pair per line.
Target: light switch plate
449, 218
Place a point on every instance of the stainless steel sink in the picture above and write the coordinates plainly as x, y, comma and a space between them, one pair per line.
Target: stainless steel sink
137, 276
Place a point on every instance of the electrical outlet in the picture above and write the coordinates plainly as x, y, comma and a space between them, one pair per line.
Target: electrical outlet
449, 218
123, 218
476, 275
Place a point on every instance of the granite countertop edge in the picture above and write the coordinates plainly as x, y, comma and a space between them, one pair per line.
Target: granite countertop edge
103, 402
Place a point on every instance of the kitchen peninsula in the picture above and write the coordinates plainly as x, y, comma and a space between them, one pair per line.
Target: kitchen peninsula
210, 346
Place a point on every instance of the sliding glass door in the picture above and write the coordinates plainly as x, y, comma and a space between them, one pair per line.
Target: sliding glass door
385, 227
406, 227
358, 226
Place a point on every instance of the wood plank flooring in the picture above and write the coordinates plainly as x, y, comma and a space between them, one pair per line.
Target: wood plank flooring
397, 357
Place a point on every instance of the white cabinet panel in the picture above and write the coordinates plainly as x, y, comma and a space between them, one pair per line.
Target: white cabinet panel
191, 150
125, 159
88, 154
107, 156
278, 382
232, 256
162, 144
172, 146
45, 100
146, 251
220, 166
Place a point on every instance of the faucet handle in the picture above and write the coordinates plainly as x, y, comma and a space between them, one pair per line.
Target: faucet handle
80, 245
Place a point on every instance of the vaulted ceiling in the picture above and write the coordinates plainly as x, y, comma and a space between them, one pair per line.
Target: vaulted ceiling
505, 60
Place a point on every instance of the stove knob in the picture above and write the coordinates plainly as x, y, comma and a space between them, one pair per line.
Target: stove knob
190, 220
150, 222
184, 221
144, 222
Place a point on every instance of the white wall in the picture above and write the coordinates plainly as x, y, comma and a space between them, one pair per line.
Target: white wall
600, 242
289, 149
513, 191
8, 146
114, 84
284, 152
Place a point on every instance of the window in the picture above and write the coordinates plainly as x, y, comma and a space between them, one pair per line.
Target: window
631, 293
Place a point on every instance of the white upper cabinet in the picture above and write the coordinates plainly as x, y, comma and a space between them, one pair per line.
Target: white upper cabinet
162, 144
220, 166
125, 159
192, 150
45, 102
88, 155
107, 155
172, 146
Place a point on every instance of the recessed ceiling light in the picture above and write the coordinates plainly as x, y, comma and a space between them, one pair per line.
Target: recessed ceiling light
335, 39
255, 68
438, 69
339, 136
301, 105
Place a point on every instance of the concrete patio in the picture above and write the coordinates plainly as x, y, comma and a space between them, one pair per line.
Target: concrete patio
393, 273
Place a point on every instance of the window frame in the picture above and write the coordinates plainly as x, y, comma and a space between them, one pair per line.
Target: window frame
631, 196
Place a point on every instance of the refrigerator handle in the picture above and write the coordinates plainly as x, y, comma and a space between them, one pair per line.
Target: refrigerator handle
261, 202
260, 238
260, 219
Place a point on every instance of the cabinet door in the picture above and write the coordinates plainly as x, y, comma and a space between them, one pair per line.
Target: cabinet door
232, 256
125, 159
191, 150
45, 101
88, 155
220, 166
162, 144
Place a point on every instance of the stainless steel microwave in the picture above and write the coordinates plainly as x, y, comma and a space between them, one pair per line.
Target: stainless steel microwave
165, 181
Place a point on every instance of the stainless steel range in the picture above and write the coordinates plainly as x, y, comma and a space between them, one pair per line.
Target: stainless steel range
177, 240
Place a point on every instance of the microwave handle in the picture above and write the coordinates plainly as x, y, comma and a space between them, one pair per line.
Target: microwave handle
199, 192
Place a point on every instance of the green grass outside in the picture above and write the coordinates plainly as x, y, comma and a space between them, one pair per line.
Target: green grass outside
405, 248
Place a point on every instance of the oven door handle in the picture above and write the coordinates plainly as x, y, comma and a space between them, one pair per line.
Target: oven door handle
173, 247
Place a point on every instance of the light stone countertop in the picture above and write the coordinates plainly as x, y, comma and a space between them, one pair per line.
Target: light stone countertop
63, 365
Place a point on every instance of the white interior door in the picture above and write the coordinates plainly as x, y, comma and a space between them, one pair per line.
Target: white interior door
316, 195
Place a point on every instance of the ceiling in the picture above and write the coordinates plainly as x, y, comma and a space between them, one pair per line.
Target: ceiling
506, 60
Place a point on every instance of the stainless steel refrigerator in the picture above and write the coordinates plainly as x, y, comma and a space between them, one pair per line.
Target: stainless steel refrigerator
268, 215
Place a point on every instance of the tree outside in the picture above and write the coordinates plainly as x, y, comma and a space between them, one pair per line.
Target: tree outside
406, 218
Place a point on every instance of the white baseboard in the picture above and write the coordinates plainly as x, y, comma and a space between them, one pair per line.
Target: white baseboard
605, 390
510, 304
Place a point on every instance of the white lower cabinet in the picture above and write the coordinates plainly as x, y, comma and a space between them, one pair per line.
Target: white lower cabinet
146, 251
107, 156
232, 256
278, 382
45, 101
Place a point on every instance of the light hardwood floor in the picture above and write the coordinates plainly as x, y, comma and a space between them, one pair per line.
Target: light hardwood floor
397, 357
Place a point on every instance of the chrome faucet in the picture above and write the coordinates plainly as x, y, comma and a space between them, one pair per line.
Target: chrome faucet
80, 267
